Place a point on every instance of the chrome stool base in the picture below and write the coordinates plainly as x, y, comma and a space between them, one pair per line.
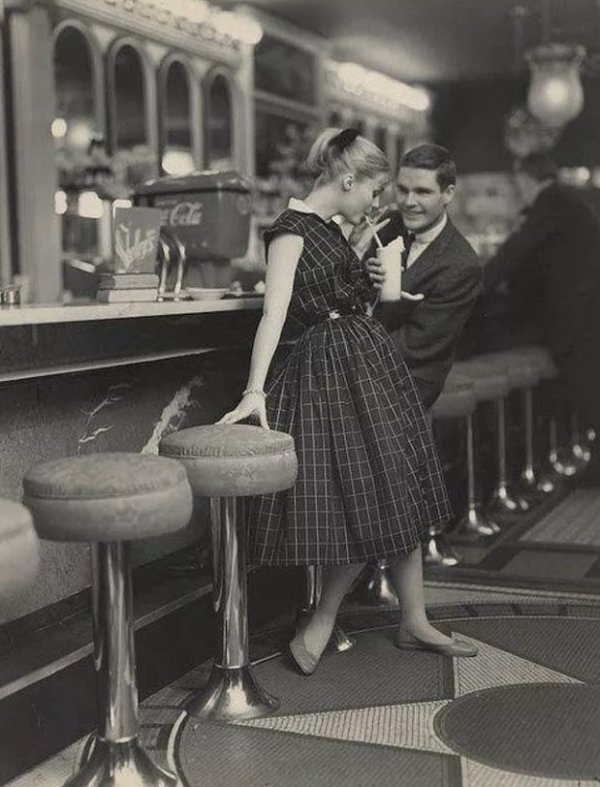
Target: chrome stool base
120, 765
504, 501
438, 551
546, 483
232, 694
474, 521
565, 467
340, 641
376, 589
582, 453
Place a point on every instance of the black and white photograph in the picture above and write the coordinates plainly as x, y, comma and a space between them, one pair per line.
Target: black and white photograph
299, 393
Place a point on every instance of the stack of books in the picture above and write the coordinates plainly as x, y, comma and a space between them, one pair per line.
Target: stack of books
127, 287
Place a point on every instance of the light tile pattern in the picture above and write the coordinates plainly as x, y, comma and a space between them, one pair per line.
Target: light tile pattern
496, 667
404, 726
574, 521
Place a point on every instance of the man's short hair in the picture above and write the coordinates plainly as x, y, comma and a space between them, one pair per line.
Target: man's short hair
539, 167
435, 158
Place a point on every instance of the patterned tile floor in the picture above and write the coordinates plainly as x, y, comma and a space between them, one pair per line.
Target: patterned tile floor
525, 712
557, 545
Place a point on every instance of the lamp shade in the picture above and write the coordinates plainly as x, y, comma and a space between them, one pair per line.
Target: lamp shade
555, 92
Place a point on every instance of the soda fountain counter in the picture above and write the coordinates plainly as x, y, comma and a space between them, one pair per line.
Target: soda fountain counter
110, 377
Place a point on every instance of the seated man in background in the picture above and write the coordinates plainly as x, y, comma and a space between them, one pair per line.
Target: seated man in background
439, 263
553, 259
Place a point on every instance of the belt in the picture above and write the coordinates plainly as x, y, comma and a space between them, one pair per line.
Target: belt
335, 314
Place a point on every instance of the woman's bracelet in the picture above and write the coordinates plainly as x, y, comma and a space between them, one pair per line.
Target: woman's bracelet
258, 391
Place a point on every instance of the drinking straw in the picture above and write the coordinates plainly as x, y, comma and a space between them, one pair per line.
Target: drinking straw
375, 235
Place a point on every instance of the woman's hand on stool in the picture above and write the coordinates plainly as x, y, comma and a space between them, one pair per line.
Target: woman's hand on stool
253, 402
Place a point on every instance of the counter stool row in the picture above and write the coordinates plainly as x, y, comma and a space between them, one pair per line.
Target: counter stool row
109, 500
491, 378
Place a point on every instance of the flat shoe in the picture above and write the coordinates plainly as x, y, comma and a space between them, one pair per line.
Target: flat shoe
301, 656
454, 649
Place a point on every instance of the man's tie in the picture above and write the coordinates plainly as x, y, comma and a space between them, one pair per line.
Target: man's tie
408, 242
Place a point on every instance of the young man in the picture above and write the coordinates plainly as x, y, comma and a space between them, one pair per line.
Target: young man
439, 263
552, 262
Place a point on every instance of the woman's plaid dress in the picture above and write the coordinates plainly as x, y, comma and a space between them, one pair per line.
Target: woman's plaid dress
369, 480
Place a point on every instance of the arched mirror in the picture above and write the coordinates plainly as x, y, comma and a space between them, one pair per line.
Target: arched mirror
130, 123
335, 120
219, 123
359, 125
400, 146
77, 131
75, 116
380, 138
177, 156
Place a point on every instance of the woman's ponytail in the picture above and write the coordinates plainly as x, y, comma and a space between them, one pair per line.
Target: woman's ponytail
337, 151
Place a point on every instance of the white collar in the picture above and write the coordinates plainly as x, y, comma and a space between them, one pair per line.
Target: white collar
299, 205
431, 234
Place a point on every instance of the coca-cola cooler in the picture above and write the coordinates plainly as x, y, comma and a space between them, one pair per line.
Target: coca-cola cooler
209, 213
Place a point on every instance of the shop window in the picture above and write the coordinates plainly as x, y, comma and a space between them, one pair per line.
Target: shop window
219, 123
177, 156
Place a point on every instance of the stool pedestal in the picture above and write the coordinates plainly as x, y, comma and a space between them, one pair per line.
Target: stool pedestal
116, 757
473, 521
437, 551
562, 465
375, 588
232, 692
528, 477
503, 500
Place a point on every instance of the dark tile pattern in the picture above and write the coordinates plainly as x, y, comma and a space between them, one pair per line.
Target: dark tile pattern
484, 726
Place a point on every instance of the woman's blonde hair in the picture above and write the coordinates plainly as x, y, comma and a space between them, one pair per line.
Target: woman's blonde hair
337, 151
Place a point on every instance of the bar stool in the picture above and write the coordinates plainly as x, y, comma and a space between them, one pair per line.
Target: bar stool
532, 480
490, 384
228, 463
19, 549
109, 500
457, 400
521, 374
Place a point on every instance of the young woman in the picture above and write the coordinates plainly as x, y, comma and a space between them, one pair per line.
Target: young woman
369, 482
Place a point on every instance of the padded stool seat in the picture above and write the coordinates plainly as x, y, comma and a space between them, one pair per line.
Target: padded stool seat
522, 372
19, 548
107, 497
490, 381
234, 461
541, 358
456, 399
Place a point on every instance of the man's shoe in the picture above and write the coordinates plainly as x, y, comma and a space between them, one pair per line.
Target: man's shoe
454, 649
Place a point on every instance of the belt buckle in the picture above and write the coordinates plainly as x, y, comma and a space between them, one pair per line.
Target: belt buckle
334, 314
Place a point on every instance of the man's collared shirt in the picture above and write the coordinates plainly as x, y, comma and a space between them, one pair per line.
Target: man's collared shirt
423, 239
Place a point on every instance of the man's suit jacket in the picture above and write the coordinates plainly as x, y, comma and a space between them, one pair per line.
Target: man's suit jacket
552, 264
448, 274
